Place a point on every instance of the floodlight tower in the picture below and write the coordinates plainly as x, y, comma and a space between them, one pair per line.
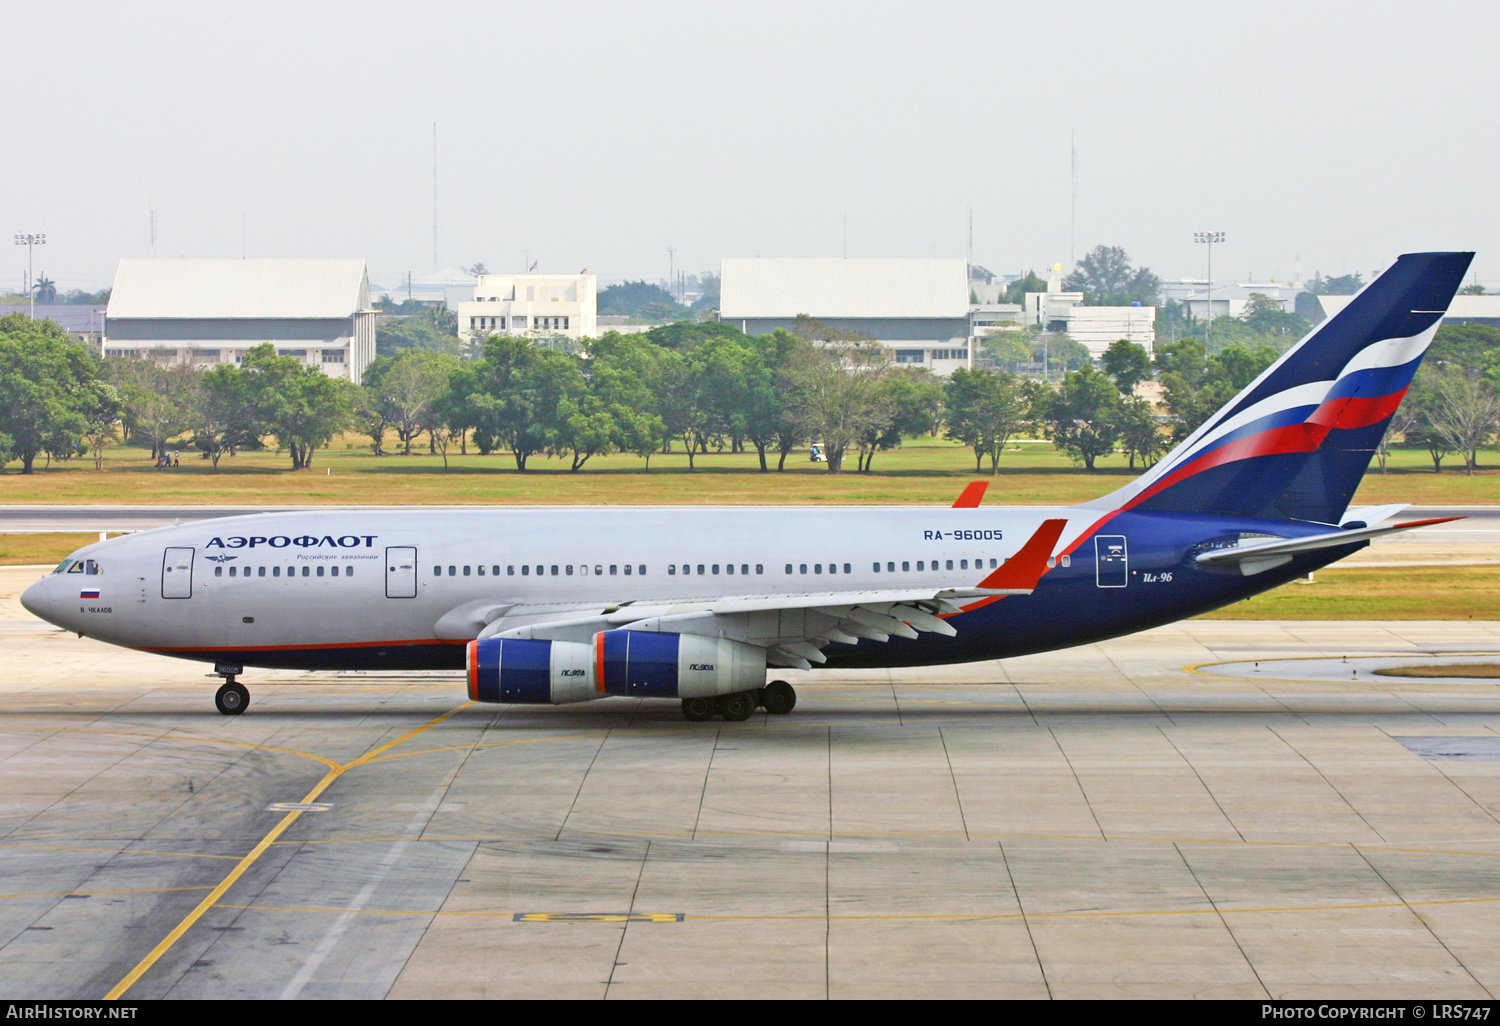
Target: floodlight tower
30, 242
1209, 238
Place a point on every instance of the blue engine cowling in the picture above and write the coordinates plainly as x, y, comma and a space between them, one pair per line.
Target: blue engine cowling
646, 664
531, 672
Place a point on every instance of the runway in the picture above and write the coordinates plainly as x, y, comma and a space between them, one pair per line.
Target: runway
1106, 821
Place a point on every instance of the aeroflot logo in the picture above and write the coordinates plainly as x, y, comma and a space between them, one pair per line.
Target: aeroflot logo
306, 541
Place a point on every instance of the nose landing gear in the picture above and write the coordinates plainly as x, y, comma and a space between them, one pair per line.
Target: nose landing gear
232, 698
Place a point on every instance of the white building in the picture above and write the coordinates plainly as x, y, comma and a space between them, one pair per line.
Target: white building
918, 308
1462, 310
531, 306
215, 311
1230, 298
1094, 327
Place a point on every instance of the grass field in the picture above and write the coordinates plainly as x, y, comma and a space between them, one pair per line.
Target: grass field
1485, 671
924, 470
1378, 593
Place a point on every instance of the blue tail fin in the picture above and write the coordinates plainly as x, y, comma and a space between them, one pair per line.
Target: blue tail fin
1295, 443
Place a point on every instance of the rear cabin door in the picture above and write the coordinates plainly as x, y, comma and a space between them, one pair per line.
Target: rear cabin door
177, 573
1112, 561
401, 572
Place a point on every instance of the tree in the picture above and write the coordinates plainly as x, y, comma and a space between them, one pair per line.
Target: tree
1140, 431
514, 394
1016, 291
476, 269
227, 414
101, 412
1082, 416
640, 300
835, 394
432, 328
404, 387
1473, 289
1343, 285
1105, 278
984, 408
1464, 345
159, 398
1265, 315
916, 406
45, 389
1056, 350
1009, 345
45, 289
1462, 410
1195, 385
1127, 363
303, 407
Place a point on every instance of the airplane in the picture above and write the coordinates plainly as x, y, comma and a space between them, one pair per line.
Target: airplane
563, 605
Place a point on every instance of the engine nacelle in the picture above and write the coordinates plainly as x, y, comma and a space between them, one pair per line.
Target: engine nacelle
645, 664
531, 672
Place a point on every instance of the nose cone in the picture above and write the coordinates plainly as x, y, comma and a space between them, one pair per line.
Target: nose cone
40, 600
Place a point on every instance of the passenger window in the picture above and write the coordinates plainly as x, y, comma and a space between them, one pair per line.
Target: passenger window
760, 568
335, 570
919, 564
437, 571
729, 568
905, 566
466, 571
641, 569
275, 571
744, 568
541, 570
320, 570
305, 571
598, 570
613, 569
716, 568
495, 570
817, 568
802, 567
789, 568
525, 571
232, 571
833, 568
261, 572
963, 564
568, 570
848, 568
950, 564
218, 571
480, 569
452, 571
583, 569
554, 569
1067, 561
890, 567
671, 569
627, 569
510, 571
348, 571
877, 568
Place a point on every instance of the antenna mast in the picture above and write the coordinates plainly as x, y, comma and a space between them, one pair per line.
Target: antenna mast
434, 197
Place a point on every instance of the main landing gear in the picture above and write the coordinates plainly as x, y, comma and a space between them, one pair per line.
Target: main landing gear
777, 698
232, 697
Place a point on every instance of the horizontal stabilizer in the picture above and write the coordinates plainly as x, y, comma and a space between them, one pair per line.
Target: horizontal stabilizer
1265, 555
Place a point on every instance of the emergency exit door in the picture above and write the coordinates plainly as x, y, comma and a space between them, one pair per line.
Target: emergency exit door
1111, 560
401, 572
177, 573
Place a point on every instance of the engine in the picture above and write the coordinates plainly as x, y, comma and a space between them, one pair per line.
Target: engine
531, 672
637, 664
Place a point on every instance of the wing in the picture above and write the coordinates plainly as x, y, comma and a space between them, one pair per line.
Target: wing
793, 629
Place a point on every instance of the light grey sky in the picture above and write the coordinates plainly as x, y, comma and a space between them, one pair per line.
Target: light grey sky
599, 134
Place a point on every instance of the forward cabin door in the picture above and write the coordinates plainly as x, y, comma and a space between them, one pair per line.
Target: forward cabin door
401, 572
177, 573
1112, 561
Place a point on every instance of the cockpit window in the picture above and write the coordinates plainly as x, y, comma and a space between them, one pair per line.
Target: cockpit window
77, 567
91, 568
63, 566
